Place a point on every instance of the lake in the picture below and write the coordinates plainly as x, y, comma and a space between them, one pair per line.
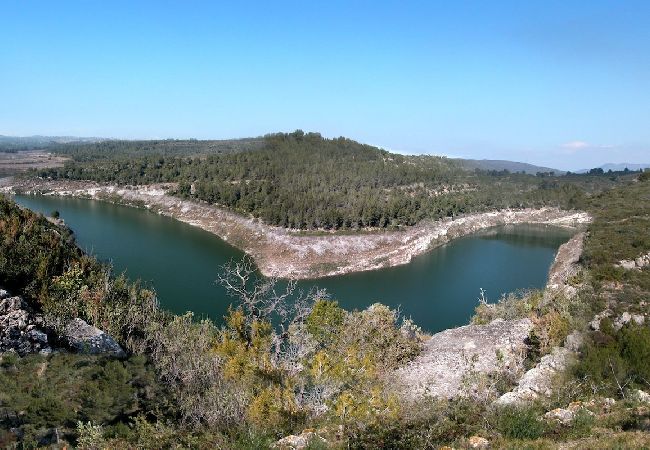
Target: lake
438, 289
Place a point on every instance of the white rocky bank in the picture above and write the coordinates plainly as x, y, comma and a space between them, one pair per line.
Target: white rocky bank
290, 254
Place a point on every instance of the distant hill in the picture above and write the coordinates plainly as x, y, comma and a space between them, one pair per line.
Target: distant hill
110, 149
499, 165
617, 167
19, 143
93, 148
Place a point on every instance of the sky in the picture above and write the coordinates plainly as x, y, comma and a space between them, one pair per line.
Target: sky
565, 84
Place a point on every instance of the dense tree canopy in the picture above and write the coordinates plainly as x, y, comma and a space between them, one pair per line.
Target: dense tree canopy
305, 181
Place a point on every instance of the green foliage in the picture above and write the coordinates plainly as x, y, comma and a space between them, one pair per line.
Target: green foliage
191, 384
325, 321
613, 362
303, 181
32, 251
634, 344
90, 436
125, 150
39, 393
620, 230
519, 422
430, 423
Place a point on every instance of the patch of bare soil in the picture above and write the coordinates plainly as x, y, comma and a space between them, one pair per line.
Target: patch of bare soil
289, 254
30, 159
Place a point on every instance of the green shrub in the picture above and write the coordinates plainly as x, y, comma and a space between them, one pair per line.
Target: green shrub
635, 349
325, 321
614, 360
519, 422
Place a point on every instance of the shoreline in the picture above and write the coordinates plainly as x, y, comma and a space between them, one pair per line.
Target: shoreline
284, 253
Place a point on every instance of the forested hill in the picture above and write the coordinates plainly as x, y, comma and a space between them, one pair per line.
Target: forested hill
305, 181
112, 149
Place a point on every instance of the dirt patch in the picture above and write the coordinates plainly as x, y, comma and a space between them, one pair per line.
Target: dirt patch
11, 163
290, 254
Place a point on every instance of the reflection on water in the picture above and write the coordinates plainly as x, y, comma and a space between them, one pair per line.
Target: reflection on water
438, 289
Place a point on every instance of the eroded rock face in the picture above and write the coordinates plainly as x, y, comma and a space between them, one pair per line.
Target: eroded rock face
450, 356
564, 267
84, 338
21, 330
537, 382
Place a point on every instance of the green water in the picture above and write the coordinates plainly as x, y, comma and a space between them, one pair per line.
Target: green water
438, 289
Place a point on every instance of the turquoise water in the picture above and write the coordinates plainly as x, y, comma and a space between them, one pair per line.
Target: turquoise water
438, 289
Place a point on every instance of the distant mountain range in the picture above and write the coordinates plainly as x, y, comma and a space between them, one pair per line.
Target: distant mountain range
617, 167
499, 165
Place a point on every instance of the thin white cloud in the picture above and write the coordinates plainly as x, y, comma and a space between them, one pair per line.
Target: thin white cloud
575, 145
578, 146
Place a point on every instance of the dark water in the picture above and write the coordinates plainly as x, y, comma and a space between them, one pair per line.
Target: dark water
438, 289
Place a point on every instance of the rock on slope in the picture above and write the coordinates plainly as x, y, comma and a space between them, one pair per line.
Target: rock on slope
24, 331
451, 355
564, 267
84, 338
21, 330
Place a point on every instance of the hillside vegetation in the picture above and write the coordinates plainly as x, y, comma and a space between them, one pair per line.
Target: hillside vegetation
304, 181
276, 367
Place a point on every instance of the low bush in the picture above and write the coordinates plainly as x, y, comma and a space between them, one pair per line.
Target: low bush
519, 422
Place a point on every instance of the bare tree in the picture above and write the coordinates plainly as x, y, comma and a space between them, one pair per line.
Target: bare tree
265, 299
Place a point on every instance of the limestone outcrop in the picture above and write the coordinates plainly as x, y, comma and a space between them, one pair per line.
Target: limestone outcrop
24, 331
635, 264
537, 382
451, 357
298, 442
618, 322
21, 330
84, 338
564, 267
566, 416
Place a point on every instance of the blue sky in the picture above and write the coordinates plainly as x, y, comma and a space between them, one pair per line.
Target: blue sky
559, 83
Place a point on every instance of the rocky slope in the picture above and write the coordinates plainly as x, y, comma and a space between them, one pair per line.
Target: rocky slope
291, 254
24, 331
21, 329
454, 359
450, 359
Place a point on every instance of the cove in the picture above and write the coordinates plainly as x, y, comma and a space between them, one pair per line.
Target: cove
438, 289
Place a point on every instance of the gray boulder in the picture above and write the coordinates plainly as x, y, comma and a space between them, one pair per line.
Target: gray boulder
566, 416
84, 338
21, 329
450, 358
538, 381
